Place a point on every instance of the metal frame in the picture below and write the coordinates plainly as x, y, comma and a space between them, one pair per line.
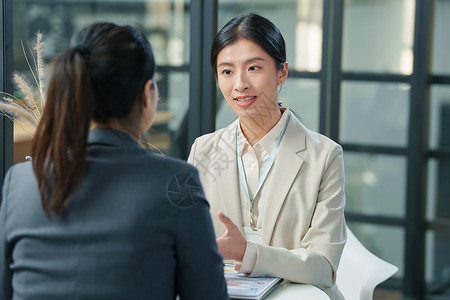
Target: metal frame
440, 79
336, 72
323, 74
202, 89
331, 74
391, 78
6, 66
414, 286
375, 149
374, 219
439, 153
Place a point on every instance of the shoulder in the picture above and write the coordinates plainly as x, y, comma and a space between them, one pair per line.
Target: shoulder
313, 137
223, 134
311, 141
21, 173
320, 141
20, 188
220, 140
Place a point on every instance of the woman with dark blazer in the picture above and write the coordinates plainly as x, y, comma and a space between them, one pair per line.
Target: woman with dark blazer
276, 188
95, 215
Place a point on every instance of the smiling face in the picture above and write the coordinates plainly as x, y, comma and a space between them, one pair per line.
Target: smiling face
248, 79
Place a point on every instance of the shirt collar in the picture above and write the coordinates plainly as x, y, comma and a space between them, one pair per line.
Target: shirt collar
269, 140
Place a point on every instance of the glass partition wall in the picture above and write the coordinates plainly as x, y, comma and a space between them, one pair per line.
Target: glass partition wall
372, 75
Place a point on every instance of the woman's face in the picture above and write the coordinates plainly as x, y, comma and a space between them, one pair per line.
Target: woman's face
248, 78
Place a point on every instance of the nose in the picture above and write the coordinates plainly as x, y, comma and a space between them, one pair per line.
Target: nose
241, 82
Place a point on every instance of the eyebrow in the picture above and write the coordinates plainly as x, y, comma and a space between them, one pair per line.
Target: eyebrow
253, 59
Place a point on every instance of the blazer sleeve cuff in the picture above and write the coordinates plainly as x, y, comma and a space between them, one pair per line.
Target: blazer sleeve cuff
250, 256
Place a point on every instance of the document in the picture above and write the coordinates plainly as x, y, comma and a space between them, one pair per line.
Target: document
241, 286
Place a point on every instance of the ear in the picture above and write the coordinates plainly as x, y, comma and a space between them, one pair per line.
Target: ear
283, 73
147, 94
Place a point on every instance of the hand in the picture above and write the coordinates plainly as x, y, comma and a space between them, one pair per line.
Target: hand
231, 244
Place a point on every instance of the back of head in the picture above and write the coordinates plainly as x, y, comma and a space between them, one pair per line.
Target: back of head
254, 28
99, 78
119, 60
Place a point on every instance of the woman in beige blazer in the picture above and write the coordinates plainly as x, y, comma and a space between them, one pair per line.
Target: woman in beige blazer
276, 188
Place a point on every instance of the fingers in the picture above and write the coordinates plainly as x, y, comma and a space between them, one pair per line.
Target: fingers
231, 244
226, 221
222, 217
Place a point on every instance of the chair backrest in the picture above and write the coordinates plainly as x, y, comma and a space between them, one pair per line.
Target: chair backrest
360, 271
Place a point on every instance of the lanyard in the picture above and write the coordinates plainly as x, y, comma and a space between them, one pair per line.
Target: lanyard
264, 171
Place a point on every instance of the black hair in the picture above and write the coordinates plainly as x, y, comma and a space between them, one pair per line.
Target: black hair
100, 77
120, 62
255, 28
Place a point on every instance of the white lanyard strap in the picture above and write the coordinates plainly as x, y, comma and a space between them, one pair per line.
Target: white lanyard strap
266, 168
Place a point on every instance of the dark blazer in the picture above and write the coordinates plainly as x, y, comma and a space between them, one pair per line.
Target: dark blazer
137, 228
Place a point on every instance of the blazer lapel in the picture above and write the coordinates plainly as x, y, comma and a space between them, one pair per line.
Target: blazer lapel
228, 178
285, 168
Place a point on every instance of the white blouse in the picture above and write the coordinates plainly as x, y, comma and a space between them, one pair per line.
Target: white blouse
253, 159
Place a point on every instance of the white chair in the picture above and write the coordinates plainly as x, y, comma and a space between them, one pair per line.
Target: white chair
360, 271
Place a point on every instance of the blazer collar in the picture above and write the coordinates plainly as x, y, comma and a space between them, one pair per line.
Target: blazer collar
228, 178
288, 163
111, 137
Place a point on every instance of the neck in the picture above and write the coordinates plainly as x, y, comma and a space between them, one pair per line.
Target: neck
255, 128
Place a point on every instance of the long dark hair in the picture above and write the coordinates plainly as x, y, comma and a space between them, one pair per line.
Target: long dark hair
254, 28
99, 78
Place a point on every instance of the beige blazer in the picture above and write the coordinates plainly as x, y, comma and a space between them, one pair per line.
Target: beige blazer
303, 230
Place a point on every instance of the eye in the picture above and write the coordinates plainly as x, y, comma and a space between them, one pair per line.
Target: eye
254, 68
226, 72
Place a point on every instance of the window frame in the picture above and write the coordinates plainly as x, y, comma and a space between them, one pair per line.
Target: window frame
6, 67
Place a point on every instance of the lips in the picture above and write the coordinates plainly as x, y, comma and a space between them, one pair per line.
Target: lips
244, 101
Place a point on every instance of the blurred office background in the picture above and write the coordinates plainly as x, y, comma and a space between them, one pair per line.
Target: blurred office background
374, 75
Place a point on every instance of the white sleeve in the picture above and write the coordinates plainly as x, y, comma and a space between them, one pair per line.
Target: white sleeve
250, 256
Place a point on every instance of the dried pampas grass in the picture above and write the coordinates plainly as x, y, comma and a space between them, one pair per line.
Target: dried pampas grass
29, 109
